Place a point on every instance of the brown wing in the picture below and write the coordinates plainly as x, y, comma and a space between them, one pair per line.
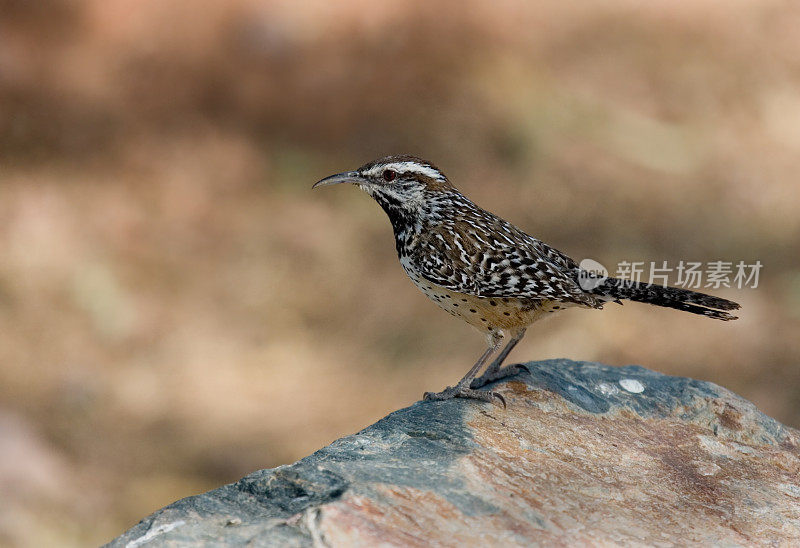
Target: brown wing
489, 257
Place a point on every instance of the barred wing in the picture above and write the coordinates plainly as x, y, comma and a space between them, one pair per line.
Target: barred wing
497, 260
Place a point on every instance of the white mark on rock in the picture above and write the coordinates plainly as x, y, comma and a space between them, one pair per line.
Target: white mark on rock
791, 490
715, 447
313, 522
743, 448
607, 389
706, 468
153, 533
632, 385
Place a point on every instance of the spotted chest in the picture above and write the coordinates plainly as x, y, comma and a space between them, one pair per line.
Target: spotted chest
485, 313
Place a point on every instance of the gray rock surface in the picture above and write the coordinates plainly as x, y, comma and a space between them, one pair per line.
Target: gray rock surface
585, 453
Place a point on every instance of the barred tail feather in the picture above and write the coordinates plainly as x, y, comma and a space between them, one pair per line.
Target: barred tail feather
669, 297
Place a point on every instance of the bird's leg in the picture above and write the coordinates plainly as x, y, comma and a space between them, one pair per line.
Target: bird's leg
493, 372
462, 389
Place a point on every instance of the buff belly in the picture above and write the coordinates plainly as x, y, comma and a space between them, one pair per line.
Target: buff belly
488, 314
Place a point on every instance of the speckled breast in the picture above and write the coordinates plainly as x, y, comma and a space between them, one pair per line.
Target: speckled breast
485, 313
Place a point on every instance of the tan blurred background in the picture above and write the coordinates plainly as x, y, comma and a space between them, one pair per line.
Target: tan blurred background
178, 309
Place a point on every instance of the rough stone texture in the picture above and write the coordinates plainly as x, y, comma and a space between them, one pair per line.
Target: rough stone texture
585, 453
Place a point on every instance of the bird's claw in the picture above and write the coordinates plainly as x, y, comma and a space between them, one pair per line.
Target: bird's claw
464, 392
506, 371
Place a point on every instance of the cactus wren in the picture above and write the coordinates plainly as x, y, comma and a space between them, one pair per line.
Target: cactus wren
486, 271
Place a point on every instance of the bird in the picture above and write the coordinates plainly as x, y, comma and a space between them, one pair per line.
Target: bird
489, 273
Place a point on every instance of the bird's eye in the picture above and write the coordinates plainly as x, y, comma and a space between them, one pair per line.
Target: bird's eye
389, 175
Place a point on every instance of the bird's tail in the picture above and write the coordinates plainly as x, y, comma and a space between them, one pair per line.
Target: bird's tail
669, 297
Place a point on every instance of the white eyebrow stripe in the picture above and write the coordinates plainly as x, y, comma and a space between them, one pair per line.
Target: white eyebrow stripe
404, 167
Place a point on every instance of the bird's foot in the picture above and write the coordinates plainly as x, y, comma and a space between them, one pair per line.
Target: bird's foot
464, 392
502, 373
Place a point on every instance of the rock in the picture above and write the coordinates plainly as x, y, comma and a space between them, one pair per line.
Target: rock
585, 453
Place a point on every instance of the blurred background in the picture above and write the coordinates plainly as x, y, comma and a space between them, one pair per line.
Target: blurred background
178, 309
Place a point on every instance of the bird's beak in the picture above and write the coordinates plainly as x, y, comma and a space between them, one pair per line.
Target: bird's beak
346, 177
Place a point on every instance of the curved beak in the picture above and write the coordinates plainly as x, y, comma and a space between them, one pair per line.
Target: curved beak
346, 177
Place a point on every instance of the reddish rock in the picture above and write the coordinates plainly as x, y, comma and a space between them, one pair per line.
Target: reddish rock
583, 454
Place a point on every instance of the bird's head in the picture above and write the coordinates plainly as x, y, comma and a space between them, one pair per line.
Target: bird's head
396, 182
